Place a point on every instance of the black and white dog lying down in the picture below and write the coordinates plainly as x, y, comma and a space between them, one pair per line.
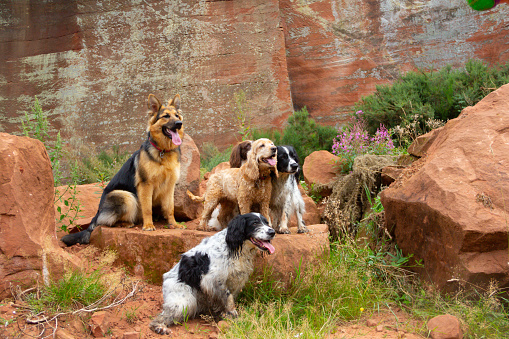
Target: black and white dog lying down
286, 199
209, 276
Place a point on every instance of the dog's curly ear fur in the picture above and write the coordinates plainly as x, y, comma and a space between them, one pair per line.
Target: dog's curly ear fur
153, 105
239, 153
250, 167
235, 235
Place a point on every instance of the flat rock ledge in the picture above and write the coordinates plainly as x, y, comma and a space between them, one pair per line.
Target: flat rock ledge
151, 254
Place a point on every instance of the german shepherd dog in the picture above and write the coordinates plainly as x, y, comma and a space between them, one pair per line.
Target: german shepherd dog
148, 177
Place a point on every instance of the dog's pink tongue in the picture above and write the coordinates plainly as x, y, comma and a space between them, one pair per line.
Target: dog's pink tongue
268, 246
271, 161
175, 137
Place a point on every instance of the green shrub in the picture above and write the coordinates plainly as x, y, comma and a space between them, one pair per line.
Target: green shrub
211, 156
424, 95
101, 167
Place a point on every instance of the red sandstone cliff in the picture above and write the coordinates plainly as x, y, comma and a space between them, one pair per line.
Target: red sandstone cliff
93, 63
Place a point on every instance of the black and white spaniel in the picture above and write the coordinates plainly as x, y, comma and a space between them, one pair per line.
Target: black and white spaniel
209, 276
286, 199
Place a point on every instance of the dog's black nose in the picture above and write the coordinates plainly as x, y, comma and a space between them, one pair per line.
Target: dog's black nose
273, 149
294, 167
178, 124
272, 232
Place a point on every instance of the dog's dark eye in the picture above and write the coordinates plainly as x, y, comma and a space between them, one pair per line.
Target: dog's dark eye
262, 146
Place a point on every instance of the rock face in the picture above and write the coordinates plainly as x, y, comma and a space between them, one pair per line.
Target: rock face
92, 64
338, 51
151, 254
450, 208
28, 245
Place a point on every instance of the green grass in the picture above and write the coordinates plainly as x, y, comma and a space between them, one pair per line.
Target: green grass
101, 167
358, 277
76, 289
337, 288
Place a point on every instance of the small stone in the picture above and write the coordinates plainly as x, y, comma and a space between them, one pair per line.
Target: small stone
131, 335
445, 327
223, 325
379, 328
371, 323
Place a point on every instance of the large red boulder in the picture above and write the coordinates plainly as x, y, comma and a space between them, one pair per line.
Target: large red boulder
185, 208
321, 170
29, 248
151, 254
449, 209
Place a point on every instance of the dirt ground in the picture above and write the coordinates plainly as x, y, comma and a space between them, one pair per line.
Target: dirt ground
131, 320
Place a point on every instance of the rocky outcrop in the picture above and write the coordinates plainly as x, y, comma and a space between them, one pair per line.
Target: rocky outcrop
29, 249
151, 254
449, 208
92, 64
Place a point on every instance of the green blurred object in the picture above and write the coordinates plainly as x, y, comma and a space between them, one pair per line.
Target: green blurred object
482, 5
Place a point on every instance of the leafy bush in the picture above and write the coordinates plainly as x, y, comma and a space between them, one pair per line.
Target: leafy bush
424, 95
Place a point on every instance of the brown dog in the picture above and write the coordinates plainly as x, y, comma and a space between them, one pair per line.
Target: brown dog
243, 187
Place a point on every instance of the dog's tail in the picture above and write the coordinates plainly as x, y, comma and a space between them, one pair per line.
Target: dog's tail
195, 198
82, 237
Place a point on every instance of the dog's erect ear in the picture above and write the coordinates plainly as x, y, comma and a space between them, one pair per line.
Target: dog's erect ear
250, 167
175, 102
235, 235
153, 104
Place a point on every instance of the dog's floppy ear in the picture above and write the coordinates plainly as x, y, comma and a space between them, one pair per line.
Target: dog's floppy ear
235, 235
153, 104
250, 167
175, 102
239, 153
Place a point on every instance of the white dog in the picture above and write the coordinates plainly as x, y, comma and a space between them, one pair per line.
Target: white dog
208, 277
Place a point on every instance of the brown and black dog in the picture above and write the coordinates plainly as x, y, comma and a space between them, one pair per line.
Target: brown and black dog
148, 177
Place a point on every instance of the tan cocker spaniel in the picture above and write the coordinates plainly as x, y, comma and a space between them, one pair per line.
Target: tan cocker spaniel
243, 187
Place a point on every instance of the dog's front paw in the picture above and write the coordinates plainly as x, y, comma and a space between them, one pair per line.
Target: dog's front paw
161, 329
178, 226
148, 227
230, 314
304, 229
283, 231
